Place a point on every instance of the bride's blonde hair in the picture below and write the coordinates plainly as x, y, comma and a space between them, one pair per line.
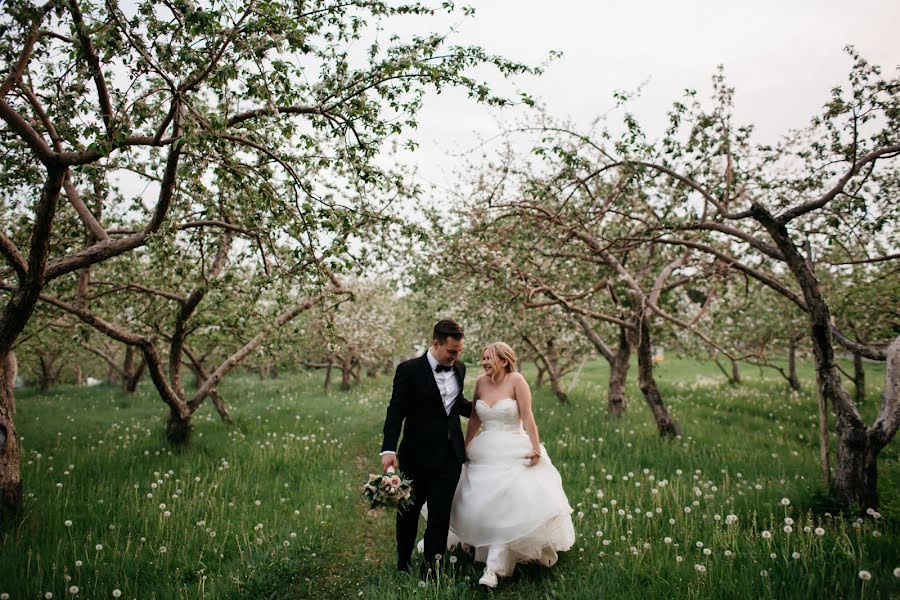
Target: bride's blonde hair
497, 353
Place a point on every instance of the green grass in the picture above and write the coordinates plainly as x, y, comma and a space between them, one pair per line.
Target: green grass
270, 507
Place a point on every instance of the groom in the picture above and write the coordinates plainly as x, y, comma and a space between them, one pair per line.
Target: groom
426, 403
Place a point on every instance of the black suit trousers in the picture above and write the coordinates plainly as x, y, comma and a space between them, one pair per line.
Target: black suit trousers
437, 487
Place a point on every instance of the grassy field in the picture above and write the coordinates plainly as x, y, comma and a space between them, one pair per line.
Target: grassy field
270, 507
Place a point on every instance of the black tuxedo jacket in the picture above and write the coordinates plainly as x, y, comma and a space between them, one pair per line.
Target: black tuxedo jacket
416, 407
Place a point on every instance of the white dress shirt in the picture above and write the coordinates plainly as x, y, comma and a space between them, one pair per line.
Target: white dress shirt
447, 384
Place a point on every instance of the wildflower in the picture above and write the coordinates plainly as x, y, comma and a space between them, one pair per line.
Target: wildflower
707, 551
679, 558
731, 519
785, 502
897, 572
865, 575
78, 563
422, 584
68, 523
73, 590
764, 573
162, 549
699, 544
788, 529
819, 531
700, 568
773, 556
453, 560
667, 540
795, 555
48, 595
767, 535
728, 553
117, 593
98, 547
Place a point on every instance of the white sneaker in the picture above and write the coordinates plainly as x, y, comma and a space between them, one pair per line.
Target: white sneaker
489, 578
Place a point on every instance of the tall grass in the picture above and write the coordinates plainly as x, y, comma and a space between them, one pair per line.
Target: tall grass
270, 507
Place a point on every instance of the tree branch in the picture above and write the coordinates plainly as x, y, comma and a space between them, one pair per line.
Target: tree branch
791, 214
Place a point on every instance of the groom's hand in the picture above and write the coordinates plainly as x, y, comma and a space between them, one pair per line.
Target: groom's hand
389, 460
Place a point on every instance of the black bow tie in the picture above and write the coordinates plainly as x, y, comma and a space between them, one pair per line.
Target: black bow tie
442, 368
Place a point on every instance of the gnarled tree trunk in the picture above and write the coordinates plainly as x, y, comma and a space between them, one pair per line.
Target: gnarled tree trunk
346, 372
10, 477
855, 480
616, 402
793, 380
541, 372
859, 379
647, 382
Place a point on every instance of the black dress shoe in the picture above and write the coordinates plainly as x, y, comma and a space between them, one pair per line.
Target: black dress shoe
404, 568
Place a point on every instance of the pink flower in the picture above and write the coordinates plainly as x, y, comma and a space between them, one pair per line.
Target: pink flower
386, 480
395, 481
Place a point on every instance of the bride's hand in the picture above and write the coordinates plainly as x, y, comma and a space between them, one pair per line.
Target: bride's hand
534, 458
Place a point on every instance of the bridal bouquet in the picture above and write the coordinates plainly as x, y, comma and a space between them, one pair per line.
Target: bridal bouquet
391, 490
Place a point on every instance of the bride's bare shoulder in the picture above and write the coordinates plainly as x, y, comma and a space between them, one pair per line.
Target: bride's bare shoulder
518, 377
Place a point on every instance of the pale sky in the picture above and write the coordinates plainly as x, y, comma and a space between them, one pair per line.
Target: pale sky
783, 57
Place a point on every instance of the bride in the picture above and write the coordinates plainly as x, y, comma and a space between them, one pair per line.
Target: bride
509, 504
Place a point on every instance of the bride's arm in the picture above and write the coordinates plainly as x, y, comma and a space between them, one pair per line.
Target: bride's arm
474, 420
523, 397
474, 426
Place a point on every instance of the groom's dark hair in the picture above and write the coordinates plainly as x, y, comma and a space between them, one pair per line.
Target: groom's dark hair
447, 328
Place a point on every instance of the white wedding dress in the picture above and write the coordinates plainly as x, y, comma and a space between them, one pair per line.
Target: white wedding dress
507, 511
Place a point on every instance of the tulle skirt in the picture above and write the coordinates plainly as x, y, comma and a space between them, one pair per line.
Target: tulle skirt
520, 511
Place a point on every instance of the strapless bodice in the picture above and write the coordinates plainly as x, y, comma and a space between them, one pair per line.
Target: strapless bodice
502, 415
